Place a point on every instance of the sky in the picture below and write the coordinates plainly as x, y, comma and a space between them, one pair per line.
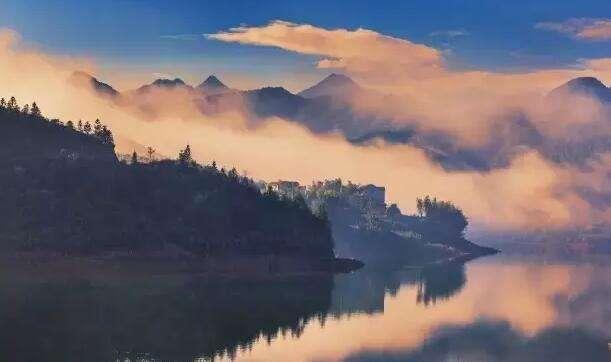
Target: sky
163, 38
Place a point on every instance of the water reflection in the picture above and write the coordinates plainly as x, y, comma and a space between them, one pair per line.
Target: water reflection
168, 319
499, 310
488, 341
492, 309
366, 290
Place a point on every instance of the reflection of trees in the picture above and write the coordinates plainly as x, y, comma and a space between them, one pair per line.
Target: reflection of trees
80, 321
440, 282
364, 291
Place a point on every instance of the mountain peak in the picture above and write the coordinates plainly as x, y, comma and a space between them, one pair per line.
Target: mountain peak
333, 85
587, 82
588, 86
162, 82
338, 79
213, 81
81, 78
212, 85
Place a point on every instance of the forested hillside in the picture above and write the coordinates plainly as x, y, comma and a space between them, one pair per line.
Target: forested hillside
62, 189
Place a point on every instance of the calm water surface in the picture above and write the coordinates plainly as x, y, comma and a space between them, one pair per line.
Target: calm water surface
491, 309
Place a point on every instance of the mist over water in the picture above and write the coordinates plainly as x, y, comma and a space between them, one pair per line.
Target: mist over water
503, 310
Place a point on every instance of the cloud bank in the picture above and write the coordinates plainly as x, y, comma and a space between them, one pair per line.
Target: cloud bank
529, 192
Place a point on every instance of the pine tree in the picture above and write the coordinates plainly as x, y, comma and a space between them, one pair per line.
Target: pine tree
184, 156
97, 127
134, 158
25, 109
70, 124
35, 111
87, 127
80, 126
150, 151
2, 102
105, 136
12, 104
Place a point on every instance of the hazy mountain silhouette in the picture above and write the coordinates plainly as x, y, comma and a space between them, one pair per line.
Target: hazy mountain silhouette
328, 107
81, 79
163, 83
333, 85
212, 85
583, 86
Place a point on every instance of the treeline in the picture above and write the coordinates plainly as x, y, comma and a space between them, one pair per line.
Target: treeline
367, 230
95, 204
440, 221
97, 130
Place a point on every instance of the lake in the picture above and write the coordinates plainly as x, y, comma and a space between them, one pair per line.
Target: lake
499, 308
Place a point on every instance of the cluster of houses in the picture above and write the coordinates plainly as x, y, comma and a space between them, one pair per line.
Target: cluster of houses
369, 198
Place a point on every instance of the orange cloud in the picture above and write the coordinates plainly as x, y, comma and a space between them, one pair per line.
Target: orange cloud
415, 85
359, 50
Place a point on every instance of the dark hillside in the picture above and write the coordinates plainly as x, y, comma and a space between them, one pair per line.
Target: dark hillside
63, 190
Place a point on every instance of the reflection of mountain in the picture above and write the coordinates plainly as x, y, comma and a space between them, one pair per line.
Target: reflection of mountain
163, 319
364, 291
497, 341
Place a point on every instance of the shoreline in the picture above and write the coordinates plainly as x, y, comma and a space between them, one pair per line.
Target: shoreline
51, 265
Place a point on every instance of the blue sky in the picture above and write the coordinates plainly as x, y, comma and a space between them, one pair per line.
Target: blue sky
130, 35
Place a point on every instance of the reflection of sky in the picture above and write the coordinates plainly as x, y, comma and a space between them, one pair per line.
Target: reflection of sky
528, 298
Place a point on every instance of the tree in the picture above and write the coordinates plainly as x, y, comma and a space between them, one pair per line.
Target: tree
97, 127
150, 151
35, 111
2, 102
12, 104
443, 221
25, 109
105, 136
420, 207
184, 156
87, 127
70, 124
134, 158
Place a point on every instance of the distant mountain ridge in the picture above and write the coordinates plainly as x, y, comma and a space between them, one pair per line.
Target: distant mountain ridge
80, 78
328, 106
584, 86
